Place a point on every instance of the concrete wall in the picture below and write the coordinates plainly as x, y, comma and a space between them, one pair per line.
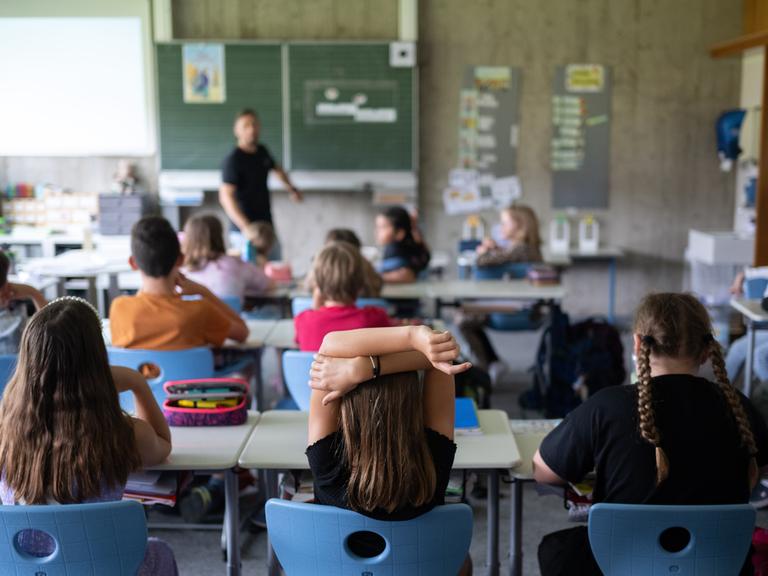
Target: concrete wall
667, 93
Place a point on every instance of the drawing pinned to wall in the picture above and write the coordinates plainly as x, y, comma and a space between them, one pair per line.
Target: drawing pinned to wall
203, 73
347, 101
488, 140
580, 145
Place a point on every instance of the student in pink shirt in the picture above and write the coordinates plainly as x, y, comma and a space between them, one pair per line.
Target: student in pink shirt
339, 277
206, 261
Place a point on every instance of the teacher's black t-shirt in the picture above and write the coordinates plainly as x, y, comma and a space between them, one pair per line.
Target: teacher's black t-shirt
248, 173
707, 464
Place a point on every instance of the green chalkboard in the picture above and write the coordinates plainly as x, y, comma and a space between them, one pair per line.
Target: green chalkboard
349, 109
198, 136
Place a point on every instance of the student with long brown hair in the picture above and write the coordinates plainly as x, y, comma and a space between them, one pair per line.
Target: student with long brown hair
63, 437
206, 261
380, 436
675, 438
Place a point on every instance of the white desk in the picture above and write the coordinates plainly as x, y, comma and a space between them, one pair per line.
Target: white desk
215, 449
528, 437
283, 335
756, 319
86, 264
257, 336
280, 440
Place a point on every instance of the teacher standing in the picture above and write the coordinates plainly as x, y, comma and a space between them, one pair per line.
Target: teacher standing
244, 192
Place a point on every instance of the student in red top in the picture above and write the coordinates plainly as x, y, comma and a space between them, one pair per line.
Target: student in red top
339, 278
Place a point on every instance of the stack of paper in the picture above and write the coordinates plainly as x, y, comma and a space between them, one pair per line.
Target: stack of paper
151, 487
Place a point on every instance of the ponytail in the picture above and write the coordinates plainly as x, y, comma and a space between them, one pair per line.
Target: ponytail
645, 411
737, 408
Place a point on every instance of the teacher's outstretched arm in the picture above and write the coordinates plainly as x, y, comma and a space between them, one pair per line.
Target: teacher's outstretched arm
228, 201
283, 175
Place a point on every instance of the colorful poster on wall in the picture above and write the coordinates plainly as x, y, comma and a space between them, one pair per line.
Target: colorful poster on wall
203, 73
489, 121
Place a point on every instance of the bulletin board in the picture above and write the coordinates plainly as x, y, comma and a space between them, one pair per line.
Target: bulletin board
580, 146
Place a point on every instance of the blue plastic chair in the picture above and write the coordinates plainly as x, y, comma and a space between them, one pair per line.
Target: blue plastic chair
754, 288
233, 302
313, 540
507, 322
7, 368
299, 304
174, 365
296, 375
100, 538
664, 540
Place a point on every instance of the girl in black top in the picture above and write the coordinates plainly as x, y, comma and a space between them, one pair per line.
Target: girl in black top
675, 438
383, 445
405, 254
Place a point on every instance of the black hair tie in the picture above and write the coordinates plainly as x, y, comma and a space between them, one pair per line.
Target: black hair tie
708, 338
648, 340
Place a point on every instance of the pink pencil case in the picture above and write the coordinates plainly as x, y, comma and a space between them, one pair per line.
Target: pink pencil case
206, 402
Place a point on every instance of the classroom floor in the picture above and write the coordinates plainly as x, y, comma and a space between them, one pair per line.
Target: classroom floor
201, 555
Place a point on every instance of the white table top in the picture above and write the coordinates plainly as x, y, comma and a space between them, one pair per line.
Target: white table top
529, 435
280, 440
76, 263
602, 253
751, 309
495, 289
208, 447
259, 331
282, 335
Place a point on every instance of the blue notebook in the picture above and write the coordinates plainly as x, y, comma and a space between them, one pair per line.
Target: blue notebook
466, 421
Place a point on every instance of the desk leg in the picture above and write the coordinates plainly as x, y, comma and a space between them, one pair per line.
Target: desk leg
232, 522
749, 362
113, 289
612, 290
258, 393
516, 530
493, 523
93, 293
273, 566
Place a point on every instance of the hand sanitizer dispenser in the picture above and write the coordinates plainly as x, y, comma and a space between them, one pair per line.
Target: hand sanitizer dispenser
589, 234
559, 234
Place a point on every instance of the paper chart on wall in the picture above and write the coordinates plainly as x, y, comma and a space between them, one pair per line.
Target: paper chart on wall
488, 141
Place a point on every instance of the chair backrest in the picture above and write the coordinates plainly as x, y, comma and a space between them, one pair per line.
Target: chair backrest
100, 538
513, 270
469, 245
311, 539
299, 304
754, 288
296, 375
233, 302
173, 364
656, 540
7, 368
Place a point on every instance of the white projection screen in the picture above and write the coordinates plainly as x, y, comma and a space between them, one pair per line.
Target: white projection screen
73, 87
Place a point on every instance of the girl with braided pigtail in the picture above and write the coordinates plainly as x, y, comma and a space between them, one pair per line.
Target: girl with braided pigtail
675, 438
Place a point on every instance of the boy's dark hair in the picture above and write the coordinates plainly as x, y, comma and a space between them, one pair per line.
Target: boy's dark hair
5, 266
343, 235
246, 112
155, 246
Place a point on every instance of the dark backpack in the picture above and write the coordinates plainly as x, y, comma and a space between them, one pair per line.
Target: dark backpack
574, 359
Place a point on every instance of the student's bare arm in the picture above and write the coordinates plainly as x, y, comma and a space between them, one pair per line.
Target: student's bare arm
439, 402
153, 436
543, 473
296, 196
399, 276
323, 418
228, 201
238, 330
